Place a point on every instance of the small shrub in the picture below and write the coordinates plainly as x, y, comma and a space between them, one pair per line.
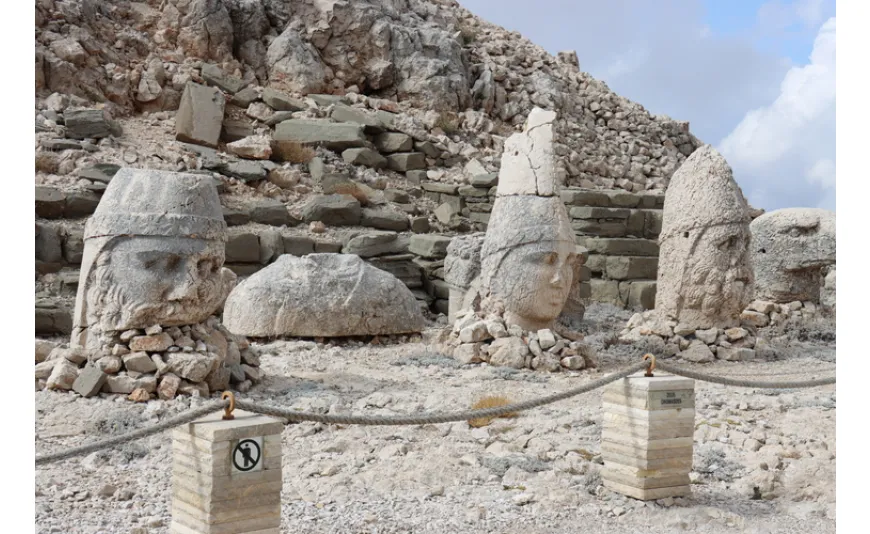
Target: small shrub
291, 152
448, 121
489, 402
46, 162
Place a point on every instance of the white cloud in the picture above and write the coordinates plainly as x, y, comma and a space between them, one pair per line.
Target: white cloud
793, 138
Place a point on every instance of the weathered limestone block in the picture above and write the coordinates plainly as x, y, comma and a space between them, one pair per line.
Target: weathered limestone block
705, 276
791, 249
200, 115
333, 210
390, 142
281, 101
429, 245
647, 436
370, 121
334, 136
364, 156
406, 161
154, 252
89, 124
321, 295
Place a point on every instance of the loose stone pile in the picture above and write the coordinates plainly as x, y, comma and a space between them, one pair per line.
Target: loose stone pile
700, 345
193, 359
476, 340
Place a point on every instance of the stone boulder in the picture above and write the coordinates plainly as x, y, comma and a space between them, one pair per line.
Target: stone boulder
321, 295
200, 115
791, 250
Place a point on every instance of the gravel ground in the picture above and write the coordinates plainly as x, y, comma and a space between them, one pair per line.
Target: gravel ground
764, 460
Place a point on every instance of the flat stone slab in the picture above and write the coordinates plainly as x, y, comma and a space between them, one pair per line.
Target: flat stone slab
314, 132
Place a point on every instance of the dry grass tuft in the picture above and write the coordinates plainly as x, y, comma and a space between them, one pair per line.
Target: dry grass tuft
46, 162
490, 401
291, 152
448, 122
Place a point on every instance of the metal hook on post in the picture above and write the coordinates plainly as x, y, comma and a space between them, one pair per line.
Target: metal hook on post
228, 411
652, 364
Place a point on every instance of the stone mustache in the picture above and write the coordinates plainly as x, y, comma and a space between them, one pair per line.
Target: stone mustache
154, 254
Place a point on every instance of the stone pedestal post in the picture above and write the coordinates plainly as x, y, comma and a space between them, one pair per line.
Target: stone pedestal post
226, 475
648, 435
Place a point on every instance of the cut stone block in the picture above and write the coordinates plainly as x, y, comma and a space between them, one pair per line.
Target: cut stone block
200, 115
226, 475
647, 436
334, 136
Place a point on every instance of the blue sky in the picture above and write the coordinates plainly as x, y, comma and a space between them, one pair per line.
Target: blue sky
754, 78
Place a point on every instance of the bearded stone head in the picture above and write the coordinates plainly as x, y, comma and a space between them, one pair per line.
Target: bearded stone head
705, 274
154, 254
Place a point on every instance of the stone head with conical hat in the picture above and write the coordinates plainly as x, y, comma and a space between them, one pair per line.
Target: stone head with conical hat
705, 275
154, 254
529, 254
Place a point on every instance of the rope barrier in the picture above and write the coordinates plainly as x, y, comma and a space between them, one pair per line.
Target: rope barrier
425, 419
172, 422
228, 402
788, 384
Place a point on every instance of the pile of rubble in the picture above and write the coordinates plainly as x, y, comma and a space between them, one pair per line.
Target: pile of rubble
192, 360
476, 339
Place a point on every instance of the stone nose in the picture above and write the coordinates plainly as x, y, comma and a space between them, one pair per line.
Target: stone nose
183, 286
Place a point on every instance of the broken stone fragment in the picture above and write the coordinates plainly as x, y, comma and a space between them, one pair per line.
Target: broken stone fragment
90, 381
200, 115
151, 343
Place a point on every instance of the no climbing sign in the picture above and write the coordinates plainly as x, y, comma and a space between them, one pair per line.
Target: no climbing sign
247, 455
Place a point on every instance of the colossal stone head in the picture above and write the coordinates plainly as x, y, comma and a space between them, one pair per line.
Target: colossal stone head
791, 250
705, 274
529, 254
154, 254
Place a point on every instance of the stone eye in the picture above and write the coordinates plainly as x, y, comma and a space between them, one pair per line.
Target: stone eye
550, 258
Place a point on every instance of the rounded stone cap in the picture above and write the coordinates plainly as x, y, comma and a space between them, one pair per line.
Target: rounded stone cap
149, 202
703, 193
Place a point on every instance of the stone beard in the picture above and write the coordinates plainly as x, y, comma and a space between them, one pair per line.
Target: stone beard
140, 281
716, 283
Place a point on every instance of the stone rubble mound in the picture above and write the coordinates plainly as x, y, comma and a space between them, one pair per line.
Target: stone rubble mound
197, 360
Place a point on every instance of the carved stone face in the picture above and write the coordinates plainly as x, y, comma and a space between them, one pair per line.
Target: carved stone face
718, 275
791, 250
143, 281
533, 283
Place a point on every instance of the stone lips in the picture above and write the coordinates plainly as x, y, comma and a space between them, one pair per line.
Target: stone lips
321, 295
790, 249
158, 203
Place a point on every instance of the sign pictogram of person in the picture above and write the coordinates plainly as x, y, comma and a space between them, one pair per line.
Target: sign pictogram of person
246, 455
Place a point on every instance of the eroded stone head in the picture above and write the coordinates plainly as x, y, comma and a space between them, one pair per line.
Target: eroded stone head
705, 275
154, 254
791, 251
529, 254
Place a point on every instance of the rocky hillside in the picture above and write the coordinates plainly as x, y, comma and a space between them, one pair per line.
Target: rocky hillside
454, 79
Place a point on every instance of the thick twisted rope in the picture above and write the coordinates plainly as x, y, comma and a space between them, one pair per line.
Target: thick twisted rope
682, 371
187, 417
422, 419
433, 418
